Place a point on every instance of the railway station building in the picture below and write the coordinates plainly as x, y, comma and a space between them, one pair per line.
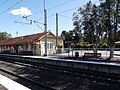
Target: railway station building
34, 43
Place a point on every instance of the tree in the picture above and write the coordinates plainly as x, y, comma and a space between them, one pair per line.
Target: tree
87, 19
84, 20
4, 35
67, 36
99, 22
112, 8
71, 36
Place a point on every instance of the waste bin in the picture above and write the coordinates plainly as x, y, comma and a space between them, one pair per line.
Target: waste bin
76, 54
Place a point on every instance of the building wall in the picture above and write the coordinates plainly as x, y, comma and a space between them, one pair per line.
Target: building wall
51, 44
7, 48
37, 48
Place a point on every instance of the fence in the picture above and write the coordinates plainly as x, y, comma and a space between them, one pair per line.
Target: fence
71, 52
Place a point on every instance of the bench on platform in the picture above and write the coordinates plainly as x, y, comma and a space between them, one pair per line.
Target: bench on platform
91, 55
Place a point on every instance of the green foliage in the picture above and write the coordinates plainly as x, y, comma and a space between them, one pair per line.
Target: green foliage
4, 35
88, 45
103, 18
71, 36
105, 45
87, 22
118, 36
83, 45
78, 45
60, 46
117, 45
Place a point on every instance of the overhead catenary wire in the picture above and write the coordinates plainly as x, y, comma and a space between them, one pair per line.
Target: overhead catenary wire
66, 11
31, 22
60, 4
14, 27
48, 9
11, 7
38, 26
61, 12
55, 6
9, 25
21, 22
64, 16
3, 3
74, 8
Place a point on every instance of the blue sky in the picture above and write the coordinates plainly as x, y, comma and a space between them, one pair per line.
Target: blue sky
64, 8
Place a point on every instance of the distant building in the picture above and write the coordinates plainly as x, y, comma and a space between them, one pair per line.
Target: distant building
34, 43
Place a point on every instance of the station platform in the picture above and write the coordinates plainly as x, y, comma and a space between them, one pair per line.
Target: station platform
8, 84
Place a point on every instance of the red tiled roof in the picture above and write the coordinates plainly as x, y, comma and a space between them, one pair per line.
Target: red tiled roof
24, 39
59, 37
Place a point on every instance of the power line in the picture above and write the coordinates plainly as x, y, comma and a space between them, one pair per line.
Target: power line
61, 12
55, 6
7, 10
74, 8
49, 8
10, 28
60, 4
3, 3
65, 16
9, 25
11, 7
65, 11
48, 16
69, 10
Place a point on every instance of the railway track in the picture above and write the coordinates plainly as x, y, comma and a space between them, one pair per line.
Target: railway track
26, 81
91, 75
111, 80
97, 76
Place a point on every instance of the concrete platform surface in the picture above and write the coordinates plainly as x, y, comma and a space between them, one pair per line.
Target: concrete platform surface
8, 84
2, 87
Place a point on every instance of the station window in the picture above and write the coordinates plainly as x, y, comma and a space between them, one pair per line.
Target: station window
47, 45
51, 45
34, 47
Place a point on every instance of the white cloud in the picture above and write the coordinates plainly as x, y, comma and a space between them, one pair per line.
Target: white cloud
23, 11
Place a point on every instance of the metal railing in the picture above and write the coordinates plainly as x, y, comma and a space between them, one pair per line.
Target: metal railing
70, 52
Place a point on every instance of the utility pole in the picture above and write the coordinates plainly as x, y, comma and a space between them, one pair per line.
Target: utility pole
17, 33
56, 32
45, 27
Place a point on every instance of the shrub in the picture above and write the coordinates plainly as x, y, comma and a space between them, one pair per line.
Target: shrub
90, 45
60, 46
87, 45
117, 45
105, 45
78, 45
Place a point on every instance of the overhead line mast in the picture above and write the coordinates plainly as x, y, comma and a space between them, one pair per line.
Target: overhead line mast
45, 27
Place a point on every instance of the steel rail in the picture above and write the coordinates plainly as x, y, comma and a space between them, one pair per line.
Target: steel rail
27, 79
